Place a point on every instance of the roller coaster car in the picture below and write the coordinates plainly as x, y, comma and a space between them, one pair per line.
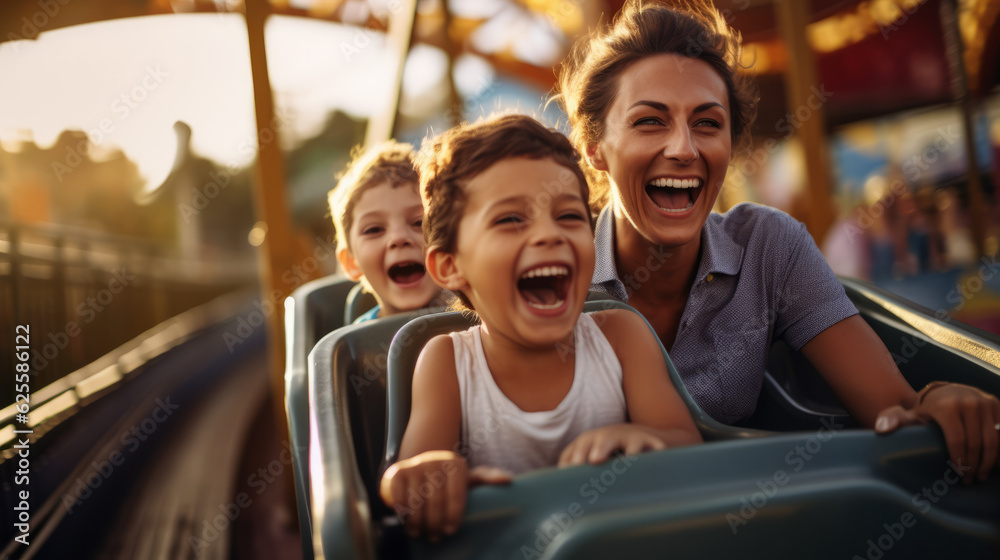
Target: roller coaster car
797, 481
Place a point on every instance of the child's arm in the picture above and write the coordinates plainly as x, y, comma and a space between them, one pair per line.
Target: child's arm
428, 462
657, 414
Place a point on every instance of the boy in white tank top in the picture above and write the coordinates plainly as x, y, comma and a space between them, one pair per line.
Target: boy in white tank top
509, 232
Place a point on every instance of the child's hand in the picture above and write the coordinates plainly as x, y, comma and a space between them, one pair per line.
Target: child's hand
967, 416
598, 445
428, 491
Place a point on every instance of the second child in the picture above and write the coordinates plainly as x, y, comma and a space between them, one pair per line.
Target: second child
377, 215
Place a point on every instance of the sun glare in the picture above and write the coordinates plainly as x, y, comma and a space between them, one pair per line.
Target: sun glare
125, 83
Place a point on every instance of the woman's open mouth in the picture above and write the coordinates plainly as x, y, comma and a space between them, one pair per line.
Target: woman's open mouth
544, 287
674, 195
407, 273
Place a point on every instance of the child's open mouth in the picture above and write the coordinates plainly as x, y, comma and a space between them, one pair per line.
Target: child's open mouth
544, 287
674, 195
407, 272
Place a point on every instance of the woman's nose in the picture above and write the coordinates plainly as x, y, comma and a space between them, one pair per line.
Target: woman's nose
680, 146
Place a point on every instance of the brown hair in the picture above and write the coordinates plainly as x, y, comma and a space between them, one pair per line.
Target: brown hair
390, 162
450, 160
588, 77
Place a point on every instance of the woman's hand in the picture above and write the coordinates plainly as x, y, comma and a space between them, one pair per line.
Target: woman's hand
968, 417
428, 491
598, 445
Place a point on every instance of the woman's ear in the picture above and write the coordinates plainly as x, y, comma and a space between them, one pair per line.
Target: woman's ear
348, 264
443, 270
596, 157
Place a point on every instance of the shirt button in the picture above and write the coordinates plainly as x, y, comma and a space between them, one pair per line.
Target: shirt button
709, 278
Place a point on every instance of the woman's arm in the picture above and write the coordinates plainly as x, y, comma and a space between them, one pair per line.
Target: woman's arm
658, 418
864, 376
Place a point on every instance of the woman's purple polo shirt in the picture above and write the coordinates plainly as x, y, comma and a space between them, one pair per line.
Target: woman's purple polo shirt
760, 278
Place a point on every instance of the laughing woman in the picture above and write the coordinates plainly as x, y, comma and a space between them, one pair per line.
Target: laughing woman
657, 103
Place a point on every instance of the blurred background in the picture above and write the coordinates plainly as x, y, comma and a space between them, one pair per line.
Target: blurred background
158, 154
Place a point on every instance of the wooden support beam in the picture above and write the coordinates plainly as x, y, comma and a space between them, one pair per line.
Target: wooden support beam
963, 97
806, 97
277, 251
401, 18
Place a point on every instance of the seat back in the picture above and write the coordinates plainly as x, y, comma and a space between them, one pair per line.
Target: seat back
796, 397
347, 399
313, 310
358, 302
411, 339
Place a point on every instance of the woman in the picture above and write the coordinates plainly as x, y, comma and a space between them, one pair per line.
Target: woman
657, 104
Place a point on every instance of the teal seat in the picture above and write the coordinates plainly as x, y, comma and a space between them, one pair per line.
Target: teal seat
825, 493
358, 302
795, 396
412, 338
346, 388
313, 310
829, 493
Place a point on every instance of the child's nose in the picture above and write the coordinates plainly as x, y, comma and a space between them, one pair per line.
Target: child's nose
547, 232
402, 237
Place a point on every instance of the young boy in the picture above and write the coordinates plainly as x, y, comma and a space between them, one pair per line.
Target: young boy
377, 216
538, 383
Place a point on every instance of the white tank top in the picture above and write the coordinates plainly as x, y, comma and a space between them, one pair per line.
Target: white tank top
497, 433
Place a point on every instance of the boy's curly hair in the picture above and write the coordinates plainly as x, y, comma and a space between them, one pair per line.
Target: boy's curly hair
447, 162
390, 162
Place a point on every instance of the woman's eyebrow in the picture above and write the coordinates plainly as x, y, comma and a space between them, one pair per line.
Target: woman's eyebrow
706, 106
663, 107
653, 104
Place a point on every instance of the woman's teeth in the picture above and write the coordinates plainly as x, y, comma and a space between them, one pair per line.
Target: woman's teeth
676, 183
673, 195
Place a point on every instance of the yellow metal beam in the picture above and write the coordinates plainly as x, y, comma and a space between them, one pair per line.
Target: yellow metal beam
803, 90
277, 251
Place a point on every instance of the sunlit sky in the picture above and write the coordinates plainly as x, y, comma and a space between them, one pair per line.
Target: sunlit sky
194, 68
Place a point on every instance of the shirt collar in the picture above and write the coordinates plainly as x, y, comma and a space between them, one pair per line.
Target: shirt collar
719, 252
605, 269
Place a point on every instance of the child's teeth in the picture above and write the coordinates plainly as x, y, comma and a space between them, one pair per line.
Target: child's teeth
543, 306
546, 271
